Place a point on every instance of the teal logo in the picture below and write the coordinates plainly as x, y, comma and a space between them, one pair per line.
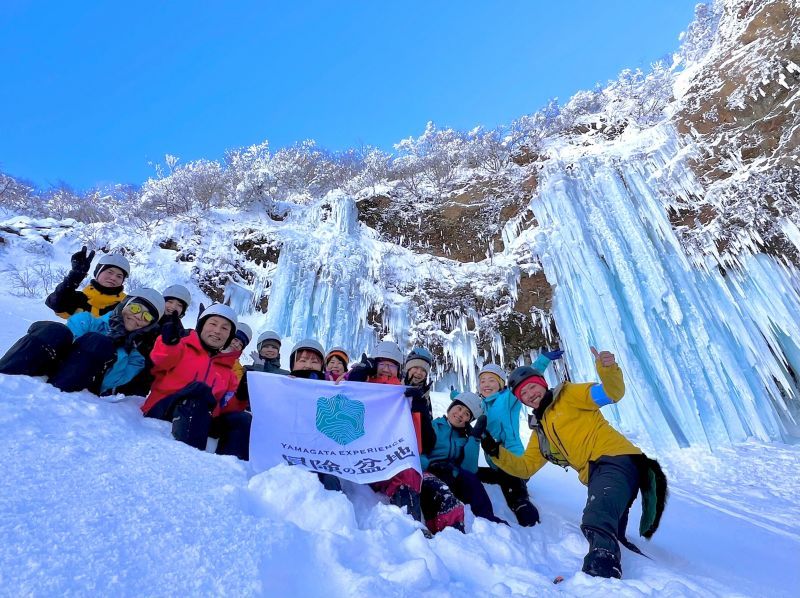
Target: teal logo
340, 419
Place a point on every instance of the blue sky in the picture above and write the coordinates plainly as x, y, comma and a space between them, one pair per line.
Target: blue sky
93, 91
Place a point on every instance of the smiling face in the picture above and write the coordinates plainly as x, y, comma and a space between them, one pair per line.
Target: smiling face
111, 277
488, 384
133, 321
459, 416
387, 368
216, 331
307, 360
417, 375
336, 366
235, 346
269, 350
531, 394
173, 306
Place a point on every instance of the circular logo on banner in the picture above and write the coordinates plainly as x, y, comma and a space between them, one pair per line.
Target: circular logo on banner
341, 419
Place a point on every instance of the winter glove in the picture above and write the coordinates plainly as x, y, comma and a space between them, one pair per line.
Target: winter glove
81, 261
553, 355
444, 470
172, 331
453, 392
257, 359
200, 310
369, 365
479, 428
490, 446
417, 396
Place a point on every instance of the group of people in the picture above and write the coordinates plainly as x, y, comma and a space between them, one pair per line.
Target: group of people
136, 343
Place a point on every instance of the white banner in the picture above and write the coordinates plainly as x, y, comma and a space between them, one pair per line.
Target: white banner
354, 430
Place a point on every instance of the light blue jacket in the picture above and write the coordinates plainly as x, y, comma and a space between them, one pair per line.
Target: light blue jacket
502, 411
127, 364
453, 445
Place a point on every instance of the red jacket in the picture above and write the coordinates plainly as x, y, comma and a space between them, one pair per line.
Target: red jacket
176, 366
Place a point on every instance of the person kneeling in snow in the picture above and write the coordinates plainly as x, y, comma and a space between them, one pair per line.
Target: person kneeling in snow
568, 429
195, 385
454, 456
383, 367
94, 353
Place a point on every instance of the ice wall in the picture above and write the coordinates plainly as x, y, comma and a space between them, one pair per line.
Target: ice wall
322, 287
706, 354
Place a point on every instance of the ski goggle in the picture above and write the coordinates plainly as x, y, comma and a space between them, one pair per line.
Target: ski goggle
138, 308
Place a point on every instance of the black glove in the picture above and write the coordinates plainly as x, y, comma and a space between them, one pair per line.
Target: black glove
200, 310
81, 261
444, 470
172, 331
370, 365
479, 428
490, 446
417, 396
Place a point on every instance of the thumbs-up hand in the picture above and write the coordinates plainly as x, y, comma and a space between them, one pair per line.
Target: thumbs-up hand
604, 358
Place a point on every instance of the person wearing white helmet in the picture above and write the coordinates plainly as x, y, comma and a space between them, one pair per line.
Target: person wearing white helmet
177, 300
103, 293
267, 356
503, 422
195, 385
100, 354
453, 459
383, 366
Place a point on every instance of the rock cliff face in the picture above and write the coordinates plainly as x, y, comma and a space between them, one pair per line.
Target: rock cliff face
741, 107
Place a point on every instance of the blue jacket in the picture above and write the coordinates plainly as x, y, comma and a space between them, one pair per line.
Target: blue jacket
453, 445
127, 364
502, 411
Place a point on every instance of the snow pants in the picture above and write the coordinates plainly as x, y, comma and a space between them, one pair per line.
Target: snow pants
190, 409
440, 507
468, 488
50, 349
613, 486
515, 491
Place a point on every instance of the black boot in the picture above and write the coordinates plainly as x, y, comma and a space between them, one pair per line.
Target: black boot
527, 515
191, 422
410, 499
602, 563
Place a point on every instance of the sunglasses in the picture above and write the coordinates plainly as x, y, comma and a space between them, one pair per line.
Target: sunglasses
138, 308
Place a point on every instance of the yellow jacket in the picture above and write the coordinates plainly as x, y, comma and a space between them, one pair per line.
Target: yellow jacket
238, 370
573, 427
66, 302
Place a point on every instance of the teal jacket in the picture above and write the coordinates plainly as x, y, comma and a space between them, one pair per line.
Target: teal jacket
127, 365
453, 445
502, 411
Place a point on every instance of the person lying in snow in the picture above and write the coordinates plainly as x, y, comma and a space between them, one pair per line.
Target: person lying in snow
569, 430
177, 299
453, 458
103, 293
95, 353
383, 367
195, 386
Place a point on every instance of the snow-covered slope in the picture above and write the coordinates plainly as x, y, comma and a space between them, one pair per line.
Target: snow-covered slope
98, 500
